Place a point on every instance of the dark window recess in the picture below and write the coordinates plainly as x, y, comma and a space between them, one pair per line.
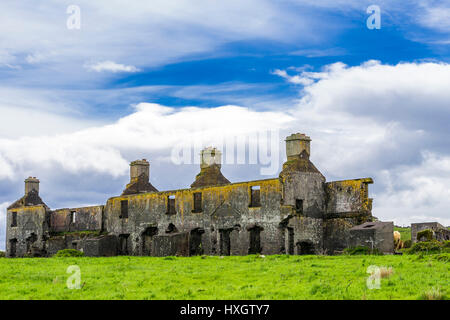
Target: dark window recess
290, 240
171, 228
147, 239
195, 242
255, 196
14, 219
12, 247
124, 209
30, 241
299, 205
197, 202
255, 240
123, 244
73, 216
171, 205
305, 247
225, 242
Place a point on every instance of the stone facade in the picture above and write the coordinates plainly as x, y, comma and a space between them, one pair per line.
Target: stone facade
296, 213
374, 235
440, 232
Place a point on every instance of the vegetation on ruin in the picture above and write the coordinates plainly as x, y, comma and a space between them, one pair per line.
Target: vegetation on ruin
426, 235
360, 250
69, 253
82, 234
415, 276
432, 246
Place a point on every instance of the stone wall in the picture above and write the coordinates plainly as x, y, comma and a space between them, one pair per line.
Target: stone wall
226, 217
76, 219
379, 235
26, 235
440, 232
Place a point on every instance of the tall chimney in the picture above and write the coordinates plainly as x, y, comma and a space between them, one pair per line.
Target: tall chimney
210, 164
139, 168
139, 178
31, 183
210, 156
297, 146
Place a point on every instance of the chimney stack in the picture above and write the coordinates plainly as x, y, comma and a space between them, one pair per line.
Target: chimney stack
297, 146
210, 156
139, 178
139, 168
31, 183
210, 164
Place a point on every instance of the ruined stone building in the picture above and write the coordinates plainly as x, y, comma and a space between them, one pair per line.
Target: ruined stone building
438, 231
298, 212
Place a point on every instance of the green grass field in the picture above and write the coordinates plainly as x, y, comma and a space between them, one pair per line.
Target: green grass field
404, 232
248, 277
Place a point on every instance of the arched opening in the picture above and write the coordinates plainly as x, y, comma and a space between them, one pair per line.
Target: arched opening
255, 240
195, 242
171, 228
225, 242
147, 237
290, 240
29, 241
123, 244
305, 247
12, 247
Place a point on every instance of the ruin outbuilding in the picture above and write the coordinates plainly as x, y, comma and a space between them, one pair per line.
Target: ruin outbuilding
374, 235
298, 212
437, 231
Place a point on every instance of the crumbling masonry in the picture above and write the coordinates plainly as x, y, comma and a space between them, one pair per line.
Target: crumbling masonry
296, 213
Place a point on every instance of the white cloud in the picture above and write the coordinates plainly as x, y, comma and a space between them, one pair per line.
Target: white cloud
435, 17
3, 207
111, 66
140, 34
293, 79
378, 120
150, 128
40, 112
417, 193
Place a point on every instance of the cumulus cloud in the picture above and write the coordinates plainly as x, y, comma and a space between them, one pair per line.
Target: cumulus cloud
150, 128
382, 121
389, 122
111, 66
3, 207
418, 193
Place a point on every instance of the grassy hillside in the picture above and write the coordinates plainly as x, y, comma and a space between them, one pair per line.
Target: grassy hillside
249, 277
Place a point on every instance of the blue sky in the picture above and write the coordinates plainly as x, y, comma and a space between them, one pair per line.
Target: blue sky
78, 105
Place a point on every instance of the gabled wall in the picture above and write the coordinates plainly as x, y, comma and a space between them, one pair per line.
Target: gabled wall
30, 233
